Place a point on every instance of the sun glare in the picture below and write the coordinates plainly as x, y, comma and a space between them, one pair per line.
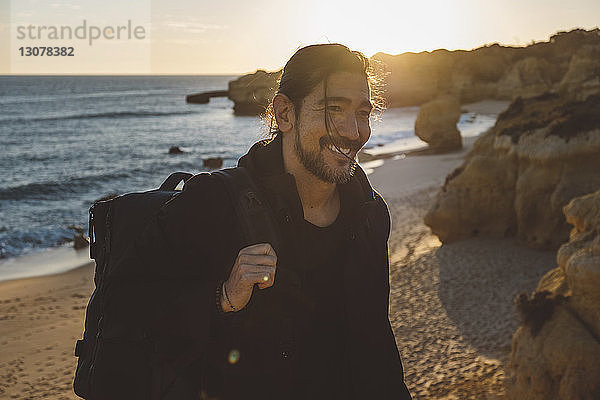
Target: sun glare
393, 27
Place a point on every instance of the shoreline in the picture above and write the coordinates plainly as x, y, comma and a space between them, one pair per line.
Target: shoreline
44, 262
413, 146
64, 258
450, 305
55, 260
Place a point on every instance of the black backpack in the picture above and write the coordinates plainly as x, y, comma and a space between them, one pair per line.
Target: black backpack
127, 369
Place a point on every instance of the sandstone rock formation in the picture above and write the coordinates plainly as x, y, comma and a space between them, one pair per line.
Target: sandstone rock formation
583, 76
561, 359
436, 124
252, 93
528, 77
541, 153
566, 62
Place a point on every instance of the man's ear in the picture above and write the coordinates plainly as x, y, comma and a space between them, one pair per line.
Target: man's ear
283, 108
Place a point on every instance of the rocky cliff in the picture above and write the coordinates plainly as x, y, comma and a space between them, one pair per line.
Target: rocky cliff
556, 352
541, 153
569, 63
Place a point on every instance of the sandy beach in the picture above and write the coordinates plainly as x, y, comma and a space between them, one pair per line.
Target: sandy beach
451, 305
40, 320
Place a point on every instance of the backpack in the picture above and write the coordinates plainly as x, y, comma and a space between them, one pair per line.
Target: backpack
128, 368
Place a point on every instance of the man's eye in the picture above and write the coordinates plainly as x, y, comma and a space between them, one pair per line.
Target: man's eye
334, 108
364, 114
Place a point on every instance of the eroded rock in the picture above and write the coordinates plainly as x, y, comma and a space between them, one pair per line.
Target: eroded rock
582, 79
541, 153
526, 78
561, 359
566, 63
436, 124
562, 362
252, 93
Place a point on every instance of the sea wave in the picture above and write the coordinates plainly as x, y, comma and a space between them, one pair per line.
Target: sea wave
24, 99
55, 190
111, 114
23, 241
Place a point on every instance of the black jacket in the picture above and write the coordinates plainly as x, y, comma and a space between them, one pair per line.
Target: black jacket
196, 233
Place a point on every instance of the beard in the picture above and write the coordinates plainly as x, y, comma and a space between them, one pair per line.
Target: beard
314, 162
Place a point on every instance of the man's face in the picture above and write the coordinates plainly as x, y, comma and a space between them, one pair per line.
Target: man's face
348, 111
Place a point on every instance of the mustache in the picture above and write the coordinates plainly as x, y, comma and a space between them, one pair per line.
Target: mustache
340, 142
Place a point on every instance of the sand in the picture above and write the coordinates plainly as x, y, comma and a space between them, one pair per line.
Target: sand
451, 305
40, 321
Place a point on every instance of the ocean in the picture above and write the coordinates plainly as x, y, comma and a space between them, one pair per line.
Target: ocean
69, 140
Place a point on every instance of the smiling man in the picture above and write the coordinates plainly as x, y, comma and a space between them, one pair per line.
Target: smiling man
307, 318
348, 107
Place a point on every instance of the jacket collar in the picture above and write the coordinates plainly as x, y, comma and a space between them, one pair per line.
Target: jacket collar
264, 162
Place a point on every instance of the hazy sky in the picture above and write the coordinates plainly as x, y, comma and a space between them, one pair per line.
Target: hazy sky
229, 37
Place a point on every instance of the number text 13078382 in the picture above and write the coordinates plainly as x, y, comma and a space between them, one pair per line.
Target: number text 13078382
50, 51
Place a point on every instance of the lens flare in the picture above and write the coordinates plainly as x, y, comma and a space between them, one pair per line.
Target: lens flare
234, 356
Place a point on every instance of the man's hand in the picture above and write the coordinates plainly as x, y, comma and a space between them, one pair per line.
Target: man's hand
254, 264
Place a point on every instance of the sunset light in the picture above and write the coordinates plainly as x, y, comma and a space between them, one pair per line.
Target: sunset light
300, 199
230, 37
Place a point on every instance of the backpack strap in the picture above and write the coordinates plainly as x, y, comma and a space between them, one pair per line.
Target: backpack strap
258, 226
253, 212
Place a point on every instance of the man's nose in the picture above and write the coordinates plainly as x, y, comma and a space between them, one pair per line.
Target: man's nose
350, 128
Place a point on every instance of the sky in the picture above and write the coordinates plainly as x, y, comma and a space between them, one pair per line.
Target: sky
234, 37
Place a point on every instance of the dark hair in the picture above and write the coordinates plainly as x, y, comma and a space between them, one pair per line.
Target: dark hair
312, 65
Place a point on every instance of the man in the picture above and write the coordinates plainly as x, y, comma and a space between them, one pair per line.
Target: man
309, 319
